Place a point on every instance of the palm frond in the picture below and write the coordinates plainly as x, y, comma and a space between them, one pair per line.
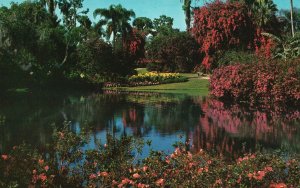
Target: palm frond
273, 37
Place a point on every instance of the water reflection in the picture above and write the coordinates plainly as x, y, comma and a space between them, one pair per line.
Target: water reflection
208, 123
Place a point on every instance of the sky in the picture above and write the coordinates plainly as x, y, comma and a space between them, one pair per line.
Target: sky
152, 8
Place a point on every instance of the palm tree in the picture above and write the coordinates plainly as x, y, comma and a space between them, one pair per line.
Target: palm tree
117, 19
51, 4
187, 11
98, 27
264, 10
143, 24
125, 27
187, 7
292, 18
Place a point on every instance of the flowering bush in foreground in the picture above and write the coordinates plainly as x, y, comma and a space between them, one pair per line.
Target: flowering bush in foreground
264, 82
111, 165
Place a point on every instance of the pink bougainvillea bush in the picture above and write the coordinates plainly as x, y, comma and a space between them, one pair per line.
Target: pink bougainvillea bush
222, 26
266, 82
112, 164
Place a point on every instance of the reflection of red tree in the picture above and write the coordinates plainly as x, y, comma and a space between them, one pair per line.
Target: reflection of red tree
133, 120
124, 122
132, 114
220, 126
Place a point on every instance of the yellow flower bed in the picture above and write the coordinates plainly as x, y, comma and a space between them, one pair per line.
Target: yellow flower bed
156, 77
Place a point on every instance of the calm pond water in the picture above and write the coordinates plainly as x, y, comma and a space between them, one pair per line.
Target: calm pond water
162, 118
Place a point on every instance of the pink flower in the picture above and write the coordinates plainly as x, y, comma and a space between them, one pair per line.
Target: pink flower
140, 185
160, 182
41, 161
145, 168
260, 175
239, 160
103, 174
177, 151
239, 180
125, 181
95, 164
34, 178
114, 182
34, 171
268, 169
4, 157
278, 185
46, 168
92, 176
172, 156
43, 177
200, 170
190, 156
206, 169
252, 156
136, 176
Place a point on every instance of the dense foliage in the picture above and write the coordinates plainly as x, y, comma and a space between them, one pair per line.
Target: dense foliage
220, 26
34, 42
112, 165
41, 49
233, 57
285, 48
268, 82
176, 52
95, 60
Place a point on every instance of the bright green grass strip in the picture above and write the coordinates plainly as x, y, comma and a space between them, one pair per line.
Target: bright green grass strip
194, 87
141, 70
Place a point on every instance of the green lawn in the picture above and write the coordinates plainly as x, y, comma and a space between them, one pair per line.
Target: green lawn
194, 86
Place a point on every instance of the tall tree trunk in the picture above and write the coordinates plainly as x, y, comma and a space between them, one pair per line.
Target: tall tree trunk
292, 18
114, 39
187, 11
52, 5
66, 54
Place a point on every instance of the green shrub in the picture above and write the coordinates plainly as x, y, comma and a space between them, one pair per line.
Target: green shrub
235, 57
95, 60
177, 52
155, 66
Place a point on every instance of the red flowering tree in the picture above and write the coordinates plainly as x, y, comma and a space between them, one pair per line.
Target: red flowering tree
222, 26
136, 43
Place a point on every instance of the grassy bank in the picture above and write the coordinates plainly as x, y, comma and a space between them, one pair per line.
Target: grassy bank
195, 86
